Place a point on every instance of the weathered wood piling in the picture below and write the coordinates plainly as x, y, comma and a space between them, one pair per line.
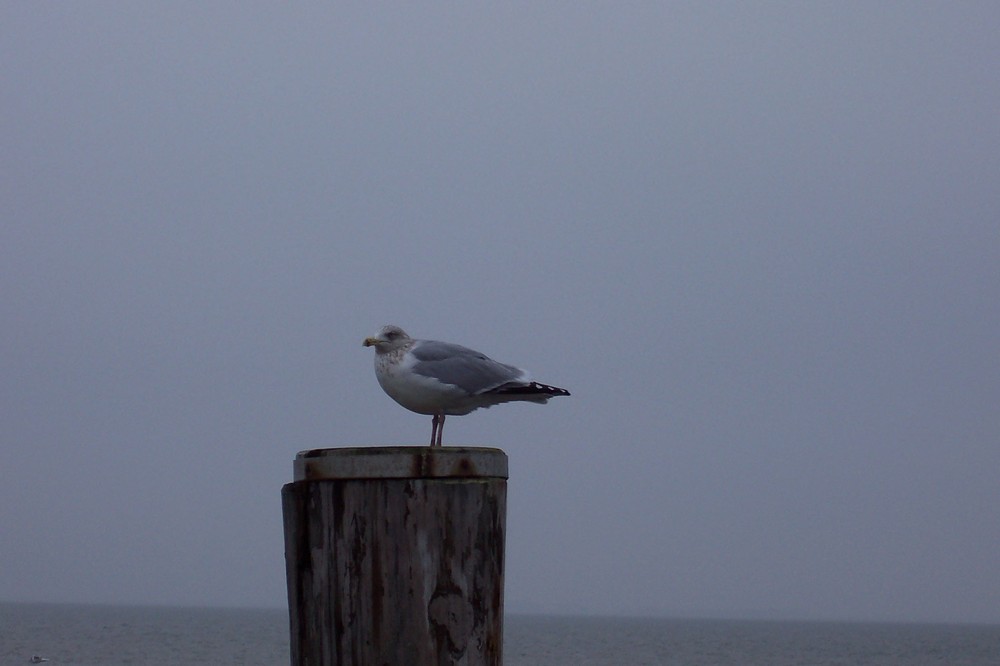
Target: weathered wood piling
394, 555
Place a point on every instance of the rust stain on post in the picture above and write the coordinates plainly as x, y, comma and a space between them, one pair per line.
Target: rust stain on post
395, 555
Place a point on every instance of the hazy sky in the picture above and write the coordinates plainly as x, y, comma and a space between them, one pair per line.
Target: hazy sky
759, 242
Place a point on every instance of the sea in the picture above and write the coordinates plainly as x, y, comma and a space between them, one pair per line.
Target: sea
106, 635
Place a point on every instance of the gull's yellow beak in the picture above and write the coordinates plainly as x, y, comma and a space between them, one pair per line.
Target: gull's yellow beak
370, 342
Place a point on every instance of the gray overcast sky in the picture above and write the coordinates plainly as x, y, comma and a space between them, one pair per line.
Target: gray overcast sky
759, 242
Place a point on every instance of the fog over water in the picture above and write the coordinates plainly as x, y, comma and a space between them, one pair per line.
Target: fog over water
759, 243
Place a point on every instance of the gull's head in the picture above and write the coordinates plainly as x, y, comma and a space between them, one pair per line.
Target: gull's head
388, 338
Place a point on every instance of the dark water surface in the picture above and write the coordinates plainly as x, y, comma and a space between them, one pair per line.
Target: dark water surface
99, 635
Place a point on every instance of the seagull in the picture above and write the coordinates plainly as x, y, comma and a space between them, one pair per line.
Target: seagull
443, 379
37, 660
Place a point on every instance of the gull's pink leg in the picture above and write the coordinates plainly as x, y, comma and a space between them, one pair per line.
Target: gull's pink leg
440, 430
434, 429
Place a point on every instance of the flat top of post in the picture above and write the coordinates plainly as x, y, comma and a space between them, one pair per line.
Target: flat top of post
400, 462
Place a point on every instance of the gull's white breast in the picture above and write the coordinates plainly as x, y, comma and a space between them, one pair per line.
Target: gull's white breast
420, 394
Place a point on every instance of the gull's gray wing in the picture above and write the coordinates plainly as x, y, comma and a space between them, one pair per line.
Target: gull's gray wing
471, 371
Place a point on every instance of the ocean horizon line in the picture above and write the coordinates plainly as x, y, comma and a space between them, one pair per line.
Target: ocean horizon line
665, 616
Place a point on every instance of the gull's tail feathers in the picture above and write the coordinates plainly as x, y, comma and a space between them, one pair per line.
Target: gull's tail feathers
530, 391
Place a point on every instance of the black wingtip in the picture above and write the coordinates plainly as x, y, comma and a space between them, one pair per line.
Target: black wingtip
534, 388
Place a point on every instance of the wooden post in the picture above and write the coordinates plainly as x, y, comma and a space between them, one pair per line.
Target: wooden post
394, 555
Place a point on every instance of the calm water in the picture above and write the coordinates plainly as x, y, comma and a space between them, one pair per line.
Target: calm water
160, 636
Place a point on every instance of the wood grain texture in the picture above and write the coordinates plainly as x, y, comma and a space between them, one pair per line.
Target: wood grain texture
395, 571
